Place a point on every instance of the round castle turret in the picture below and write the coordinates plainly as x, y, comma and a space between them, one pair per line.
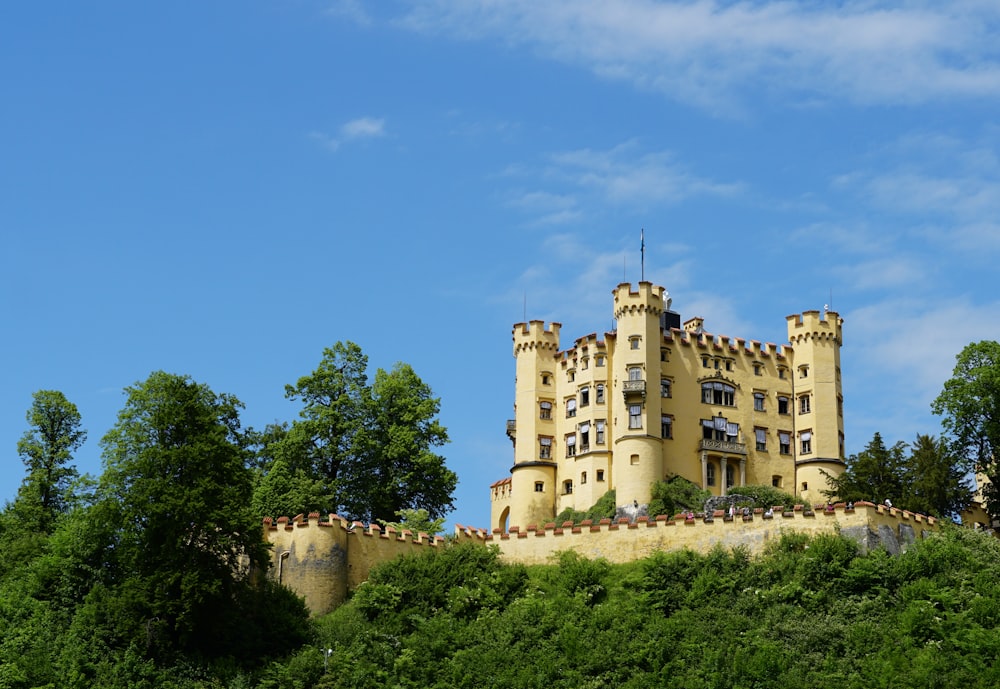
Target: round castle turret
532, 494
638, 452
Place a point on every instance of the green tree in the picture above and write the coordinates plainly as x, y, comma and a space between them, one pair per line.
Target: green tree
47, 449
369, 448
876, 473
970, 407
178, 490
937, 484
398, 468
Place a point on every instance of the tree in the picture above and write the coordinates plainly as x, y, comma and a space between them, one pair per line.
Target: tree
47, 449
970, 405
368, 449
937, 483
876, 473
178, 490
398, 469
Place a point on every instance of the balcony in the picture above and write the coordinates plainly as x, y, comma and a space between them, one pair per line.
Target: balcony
712, 445
633, 388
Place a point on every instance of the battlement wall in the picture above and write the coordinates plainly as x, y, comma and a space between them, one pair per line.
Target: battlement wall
535, 335
816, 326
873, 526
647, 298
323, 560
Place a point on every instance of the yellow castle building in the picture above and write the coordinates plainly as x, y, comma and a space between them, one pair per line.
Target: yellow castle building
655, 399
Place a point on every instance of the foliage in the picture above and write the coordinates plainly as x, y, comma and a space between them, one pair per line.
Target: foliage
874, 474
47, 449
416, 521
936, 480
924, 477
765, 496
362, 450
676, 495
970, 407
604, 508
177, 489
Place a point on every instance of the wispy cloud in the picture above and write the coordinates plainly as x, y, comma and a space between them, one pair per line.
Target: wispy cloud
625, 175
360, 128
711, 52
351, 10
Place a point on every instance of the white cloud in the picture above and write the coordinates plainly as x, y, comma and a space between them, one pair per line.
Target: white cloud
361, 128
708, 52
352, 10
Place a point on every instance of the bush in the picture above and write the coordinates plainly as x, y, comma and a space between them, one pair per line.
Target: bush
676, 495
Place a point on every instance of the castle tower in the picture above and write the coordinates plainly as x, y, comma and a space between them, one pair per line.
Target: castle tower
636, 403
533, 488
816, 339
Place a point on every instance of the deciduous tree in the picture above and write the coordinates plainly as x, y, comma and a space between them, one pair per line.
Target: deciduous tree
46, 448
970, 407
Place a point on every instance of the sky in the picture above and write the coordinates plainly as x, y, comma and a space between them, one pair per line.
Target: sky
223, 189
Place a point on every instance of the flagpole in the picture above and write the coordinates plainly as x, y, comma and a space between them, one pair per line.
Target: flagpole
642, 254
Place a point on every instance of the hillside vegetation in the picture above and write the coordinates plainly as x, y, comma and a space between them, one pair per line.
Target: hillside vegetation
807, 613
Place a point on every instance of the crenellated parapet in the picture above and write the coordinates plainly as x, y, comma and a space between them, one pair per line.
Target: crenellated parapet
323, 559
535, 336
622, 540
815, 326
647, 298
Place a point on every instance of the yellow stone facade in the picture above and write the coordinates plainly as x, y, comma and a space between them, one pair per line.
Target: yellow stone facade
656, 398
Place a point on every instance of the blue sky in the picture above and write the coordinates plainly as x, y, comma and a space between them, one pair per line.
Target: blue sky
222, 189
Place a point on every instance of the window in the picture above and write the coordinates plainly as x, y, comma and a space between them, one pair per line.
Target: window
600, 475
600, 432
635, 416
570, 407
546, 378
544, 448
704, 362
570, 376
666, 426
539, 487
571, 445
600, 361
758, 370
840, 405
804, 404
635, 373
718, 393
664, 387
785, 443
719, 428
781, 372
584, 437
729, 365
584, 363
761, 434
568, 487
633, 342
730, 476
716, 363
782, 405
633, 460
806, 439
840, 444
805, 485
803, 371
583, 478
758, 401
545, 410
710, 474
584, 396
600, 393
776, 481
664, 355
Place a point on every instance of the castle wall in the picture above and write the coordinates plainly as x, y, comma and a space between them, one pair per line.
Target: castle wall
873, 526
323, 561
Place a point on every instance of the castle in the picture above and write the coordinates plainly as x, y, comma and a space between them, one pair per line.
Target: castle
653, 400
